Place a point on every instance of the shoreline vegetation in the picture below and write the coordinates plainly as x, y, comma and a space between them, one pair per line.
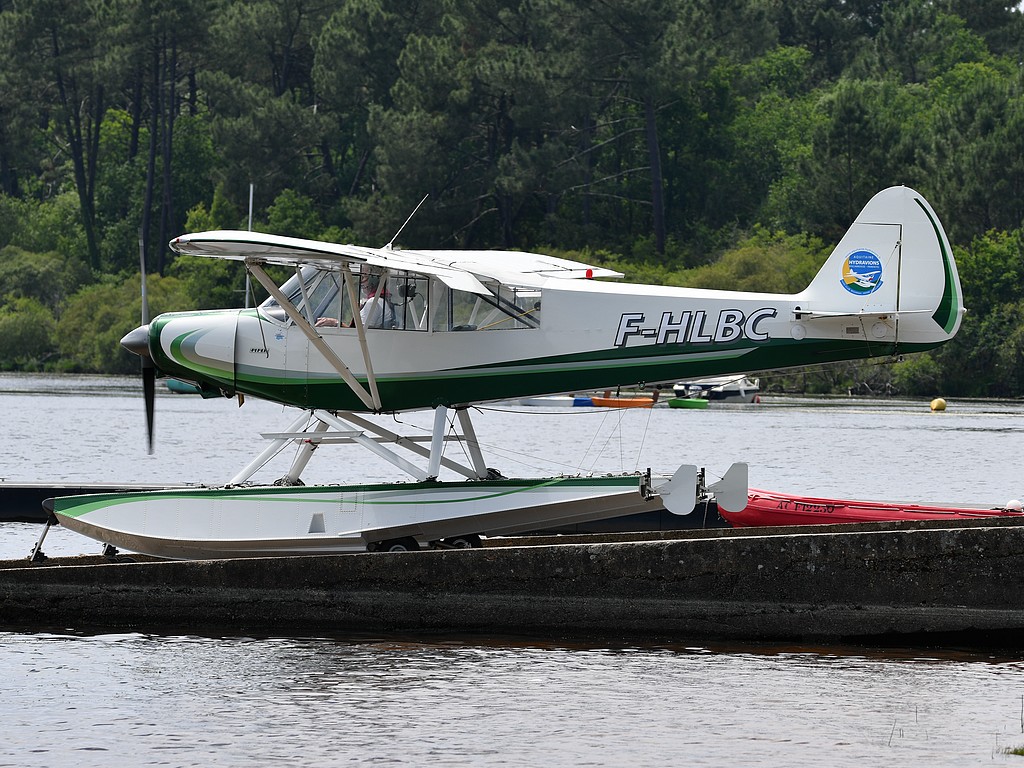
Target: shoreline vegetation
724, 145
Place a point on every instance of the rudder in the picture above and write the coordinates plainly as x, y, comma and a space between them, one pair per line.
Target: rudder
895, 258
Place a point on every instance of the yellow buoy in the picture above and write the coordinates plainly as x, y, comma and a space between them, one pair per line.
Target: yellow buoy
938, 404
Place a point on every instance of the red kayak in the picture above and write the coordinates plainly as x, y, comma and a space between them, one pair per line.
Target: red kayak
765, 508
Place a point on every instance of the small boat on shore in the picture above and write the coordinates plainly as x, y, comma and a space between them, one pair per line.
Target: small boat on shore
765, 508
695, 403
557, 401
622, 401
732, 388
548, 401
179, 387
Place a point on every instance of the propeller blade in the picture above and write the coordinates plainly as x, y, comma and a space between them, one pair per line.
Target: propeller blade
149, 392
139, 344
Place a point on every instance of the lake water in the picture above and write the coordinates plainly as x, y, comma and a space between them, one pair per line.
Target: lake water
70, 698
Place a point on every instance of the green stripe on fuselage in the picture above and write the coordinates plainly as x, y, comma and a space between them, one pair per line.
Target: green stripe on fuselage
569, 373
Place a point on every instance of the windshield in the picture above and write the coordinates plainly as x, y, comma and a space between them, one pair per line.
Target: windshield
311, 290
390, 301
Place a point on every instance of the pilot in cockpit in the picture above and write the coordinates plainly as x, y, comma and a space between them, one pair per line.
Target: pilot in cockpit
375, 312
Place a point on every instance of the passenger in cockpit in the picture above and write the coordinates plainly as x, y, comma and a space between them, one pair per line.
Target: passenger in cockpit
374, 312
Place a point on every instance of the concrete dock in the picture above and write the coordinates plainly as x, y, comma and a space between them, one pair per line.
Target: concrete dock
955, 579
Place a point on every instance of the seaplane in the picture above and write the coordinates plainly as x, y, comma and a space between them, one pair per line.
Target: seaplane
357, 331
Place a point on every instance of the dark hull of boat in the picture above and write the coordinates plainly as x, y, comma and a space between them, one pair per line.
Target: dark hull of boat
770, 509
704, 515
23, 502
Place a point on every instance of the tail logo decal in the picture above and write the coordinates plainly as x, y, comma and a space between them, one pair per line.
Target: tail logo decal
862, 272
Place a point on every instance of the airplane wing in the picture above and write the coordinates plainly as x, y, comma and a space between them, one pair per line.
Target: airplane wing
460, 270
292, 251
516, 266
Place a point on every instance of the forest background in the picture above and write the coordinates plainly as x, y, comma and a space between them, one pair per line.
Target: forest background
715, 143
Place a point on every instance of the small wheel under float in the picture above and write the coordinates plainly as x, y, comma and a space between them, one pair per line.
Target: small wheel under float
468, 541
405, 544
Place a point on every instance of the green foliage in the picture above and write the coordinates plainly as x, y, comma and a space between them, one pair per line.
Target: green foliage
120, 193
770, 262
52, 225
210, 283
985, 359
46, 278
220, 215
763, 261
860, 147
295, 215
263, 139
97, 317
27, 334
917, 41
918, 375
992, 270
707, 144
195, 162
978, 145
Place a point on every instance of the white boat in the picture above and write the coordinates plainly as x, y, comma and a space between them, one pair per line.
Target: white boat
722, 389
548, 401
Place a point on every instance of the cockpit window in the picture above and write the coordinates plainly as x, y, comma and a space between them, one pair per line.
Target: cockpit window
402, 301
508, 308
310, 290
408, 294
390, 301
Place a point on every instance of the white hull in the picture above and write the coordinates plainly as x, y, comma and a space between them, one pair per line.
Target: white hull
549, 401
275, 521
720, 389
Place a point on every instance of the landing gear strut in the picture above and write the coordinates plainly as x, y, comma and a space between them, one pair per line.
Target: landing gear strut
37, 555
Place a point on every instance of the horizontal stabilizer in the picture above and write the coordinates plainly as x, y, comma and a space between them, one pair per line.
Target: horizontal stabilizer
805, 314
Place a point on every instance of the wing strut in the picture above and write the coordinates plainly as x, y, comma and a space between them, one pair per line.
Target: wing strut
357, 321
371, 401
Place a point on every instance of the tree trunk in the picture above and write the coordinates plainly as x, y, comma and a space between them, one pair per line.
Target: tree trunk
167, 200
82, 129
657, 184
154, 124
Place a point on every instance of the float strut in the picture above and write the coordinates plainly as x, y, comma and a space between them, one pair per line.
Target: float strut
437, 442
37, 555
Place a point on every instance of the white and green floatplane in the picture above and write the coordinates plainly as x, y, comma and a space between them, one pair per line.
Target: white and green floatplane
358, 331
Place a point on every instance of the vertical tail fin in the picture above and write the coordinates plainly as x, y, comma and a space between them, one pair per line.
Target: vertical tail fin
894, 260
